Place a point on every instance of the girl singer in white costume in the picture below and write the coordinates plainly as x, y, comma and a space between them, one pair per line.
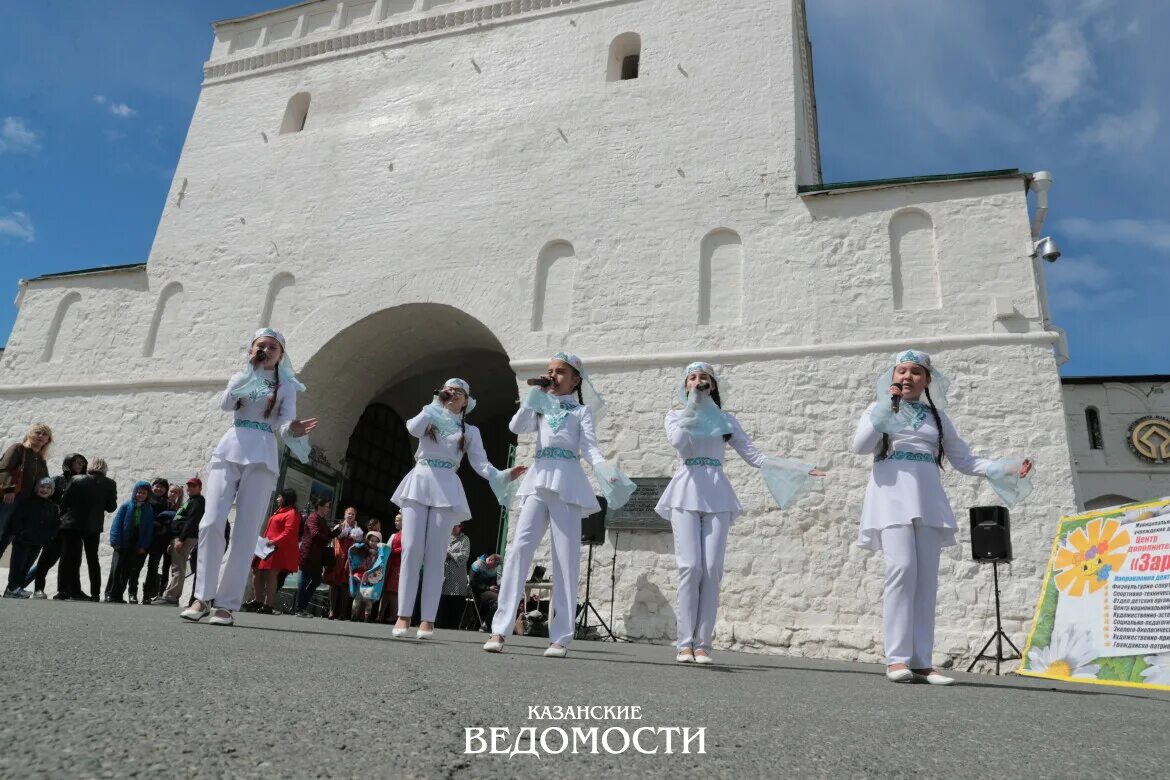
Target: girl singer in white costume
556, 492
432, 498
244, 469
906, 514
701, 505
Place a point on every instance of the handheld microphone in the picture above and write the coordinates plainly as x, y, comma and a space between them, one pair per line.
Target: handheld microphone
896, 400
444, 394
260, 356
704, 386
540, 381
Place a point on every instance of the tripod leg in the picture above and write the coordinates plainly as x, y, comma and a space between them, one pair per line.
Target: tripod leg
982, 653
612, 638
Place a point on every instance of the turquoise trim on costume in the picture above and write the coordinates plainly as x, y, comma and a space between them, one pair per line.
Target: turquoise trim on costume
920, 457
1009, 487
446, 422
920, 413
615, 486
503, 486
435, 463
702, 462
555, 453
259, 426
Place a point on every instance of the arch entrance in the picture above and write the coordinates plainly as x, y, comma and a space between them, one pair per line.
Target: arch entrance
379, 371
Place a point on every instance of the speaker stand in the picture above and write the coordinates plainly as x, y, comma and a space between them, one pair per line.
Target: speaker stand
587, 606
999, 637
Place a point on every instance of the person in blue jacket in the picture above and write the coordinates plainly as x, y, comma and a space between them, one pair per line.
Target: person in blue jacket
130, 535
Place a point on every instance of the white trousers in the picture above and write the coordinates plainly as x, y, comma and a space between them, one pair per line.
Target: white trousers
538, 513
700, 542
426, 532
912, 553
250, 488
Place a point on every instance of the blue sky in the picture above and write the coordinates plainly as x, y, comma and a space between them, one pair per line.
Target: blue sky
96, 95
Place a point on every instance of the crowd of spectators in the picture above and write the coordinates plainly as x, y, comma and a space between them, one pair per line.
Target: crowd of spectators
53, 521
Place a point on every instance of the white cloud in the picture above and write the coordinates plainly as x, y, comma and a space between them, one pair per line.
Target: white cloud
18, 225
117, 109
16, 137
1075, 283
1122, 132
1148, 233
1059, 64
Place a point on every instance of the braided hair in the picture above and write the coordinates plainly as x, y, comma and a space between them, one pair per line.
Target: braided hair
938, 457
432, 432
719, 403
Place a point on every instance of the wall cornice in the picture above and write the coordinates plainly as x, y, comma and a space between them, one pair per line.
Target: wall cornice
725, 357
347, 42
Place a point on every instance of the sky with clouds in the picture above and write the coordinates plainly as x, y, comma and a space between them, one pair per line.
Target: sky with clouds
96, 95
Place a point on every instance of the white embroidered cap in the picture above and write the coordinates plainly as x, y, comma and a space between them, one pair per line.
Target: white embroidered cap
466, 388
592, 398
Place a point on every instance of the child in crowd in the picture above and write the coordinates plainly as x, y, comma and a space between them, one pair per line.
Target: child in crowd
33, 525
367, 573
130, 535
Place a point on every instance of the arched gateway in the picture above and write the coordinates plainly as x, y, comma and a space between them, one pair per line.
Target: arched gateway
366, 375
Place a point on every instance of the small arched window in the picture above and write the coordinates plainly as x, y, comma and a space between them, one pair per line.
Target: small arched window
1093, 423
625, 54
295, 113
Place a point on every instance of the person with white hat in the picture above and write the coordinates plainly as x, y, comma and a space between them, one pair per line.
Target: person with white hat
560, 409
432, 500
243, 470
906, 515
701, 504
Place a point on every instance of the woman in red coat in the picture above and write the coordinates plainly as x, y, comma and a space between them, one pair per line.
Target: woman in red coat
388, 611
283, 531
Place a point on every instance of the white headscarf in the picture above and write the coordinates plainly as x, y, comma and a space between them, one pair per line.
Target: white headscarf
466, 388
939, 383
592, 398
707, 369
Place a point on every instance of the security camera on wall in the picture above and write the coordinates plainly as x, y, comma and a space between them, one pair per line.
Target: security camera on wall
1047, 249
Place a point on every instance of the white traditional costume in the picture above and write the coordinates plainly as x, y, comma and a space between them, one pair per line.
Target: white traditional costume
906, 514
556, 492
701, 504
432, 499
243, 470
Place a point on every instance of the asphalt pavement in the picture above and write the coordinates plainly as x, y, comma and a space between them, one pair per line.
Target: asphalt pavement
97, 690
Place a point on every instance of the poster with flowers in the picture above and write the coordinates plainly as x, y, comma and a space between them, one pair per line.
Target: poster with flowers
1104, 613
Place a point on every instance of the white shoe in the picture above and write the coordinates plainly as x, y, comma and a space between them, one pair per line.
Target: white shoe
556, 651
424, 634
685, 658
703, 660
190, 613
221, 617
494, 645
934, 678
39, 594
899, 675
397, 632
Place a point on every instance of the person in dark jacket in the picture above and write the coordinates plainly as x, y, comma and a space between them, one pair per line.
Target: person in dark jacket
84, 506
33, 523
164, 512
315, 540
185, 528
22, 466
74, 465
131, 532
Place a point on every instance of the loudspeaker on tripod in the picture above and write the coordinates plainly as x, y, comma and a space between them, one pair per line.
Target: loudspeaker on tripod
593, 526
991, 538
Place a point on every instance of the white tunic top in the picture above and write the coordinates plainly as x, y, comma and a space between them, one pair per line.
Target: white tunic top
431, 482
252, 437
903, 490
703, 487
563, 477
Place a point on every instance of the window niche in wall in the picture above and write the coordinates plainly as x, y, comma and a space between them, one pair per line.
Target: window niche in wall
280, 305
63, 329
721, 278
914, 258
168, 322
296, 113
1093, 423
625, 56
553, 296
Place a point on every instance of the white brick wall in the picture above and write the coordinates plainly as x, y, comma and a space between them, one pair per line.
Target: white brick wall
432, 172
